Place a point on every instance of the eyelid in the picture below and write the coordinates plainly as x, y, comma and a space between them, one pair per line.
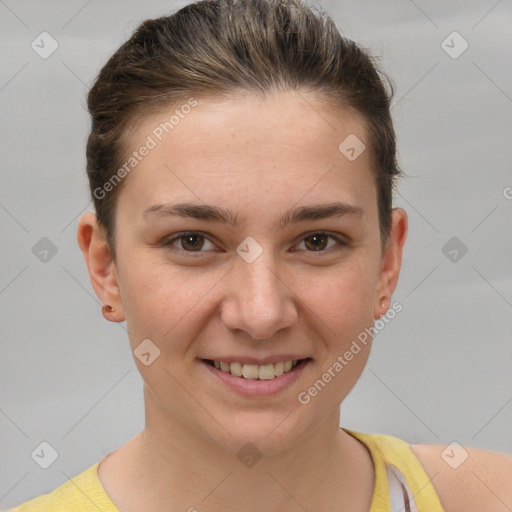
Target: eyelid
167, 241
339, 237
341, 240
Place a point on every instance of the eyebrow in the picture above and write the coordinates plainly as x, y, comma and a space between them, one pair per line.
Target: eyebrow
226, 216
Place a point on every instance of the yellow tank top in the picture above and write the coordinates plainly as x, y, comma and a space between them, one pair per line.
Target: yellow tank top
400, 483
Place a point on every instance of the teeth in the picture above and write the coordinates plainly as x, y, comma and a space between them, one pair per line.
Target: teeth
279, 369
250, 371
236, 369
253, 371
266, 372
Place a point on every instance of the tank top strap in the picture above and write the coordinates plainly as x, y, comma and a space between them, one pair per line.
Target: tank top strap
399, 476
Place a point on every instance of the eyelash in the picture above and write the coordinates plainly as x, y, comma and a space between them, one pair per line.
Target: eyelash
167, 242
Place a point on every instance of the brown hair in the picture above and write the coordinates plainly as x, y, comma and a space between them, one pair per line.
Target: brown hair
219, 47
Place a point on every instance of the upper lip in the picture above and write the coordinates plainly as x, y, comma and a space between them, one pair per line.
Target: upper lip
257, 361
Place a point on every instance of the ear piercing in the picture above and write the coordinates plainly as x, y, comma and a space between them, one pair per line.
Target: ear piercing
107, 308
383, 307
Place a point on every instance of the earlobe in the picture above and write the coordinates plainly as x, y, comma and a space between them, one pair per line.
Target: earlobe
391, 262
101, 268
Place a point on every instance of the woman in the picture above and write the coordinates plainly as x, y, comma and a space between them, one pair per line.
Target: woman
242, 162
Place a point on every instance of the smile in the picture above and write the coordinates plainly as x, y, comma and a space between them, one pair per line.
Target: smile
253, 371
256, 380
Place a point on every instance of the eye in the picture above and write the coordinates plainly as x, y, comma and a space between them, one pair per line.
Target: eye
318, 242
194, 242
188, 242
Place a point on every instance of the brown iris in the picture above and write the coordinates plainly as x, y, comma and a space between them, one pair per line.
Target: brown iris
319, 241
192, 242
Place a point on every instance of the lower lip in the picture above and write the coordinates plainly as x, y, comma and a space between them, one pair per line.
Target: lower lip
257, 387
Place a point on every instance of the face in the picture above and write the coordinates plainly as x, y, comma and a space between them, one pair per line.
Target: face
274, 255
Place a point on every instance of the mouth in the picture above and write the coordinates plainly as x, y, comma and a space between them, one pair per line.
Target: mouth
256, 381
257, 372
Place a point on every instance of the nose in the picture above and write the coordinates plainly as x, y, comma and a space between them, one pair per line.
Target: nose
258, 301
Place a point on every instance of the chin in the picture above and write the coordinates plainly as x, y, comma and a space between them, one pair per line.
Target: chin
269, 432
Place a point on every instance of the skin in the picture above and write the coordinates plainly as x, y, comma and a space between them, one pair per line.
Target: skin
258, 158
482, 482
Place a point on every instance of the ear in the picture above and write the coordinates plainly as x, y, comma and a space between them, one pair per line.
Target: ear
102, 270
391, 262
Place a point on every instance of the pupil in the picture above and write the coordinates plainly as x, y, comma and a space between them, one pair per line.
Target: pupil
318, 242
189, 240
321, 238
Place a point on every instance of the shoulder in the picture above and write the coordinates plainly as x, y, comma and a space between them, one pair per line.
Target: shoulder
81, 493
468, 479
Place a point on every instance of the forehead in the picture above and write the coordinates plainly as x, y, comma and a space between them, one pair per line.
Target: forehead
220, 149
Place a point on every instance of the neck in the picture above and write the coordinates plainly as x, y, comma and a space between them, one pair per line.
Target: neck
169, 466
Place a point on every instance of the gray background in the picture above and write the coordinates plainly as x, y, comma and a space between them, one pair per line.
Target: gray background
439, 372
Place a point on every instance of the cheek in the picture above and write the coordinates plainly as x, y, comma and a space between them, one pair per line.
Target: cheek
343, 296
342, 303
160, 299
167, 303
